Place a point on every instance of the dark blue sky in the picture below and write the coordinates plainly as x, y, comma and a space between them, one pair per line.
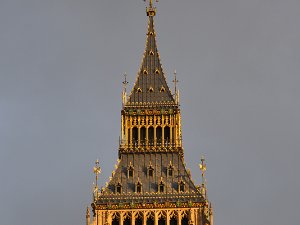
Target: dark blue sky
61, 66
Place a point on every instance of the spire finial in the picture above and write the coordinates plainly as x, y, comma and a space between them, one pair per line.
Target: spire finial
202, 166
151, 10
150, 3
96, 170
125, 82
124, 94
175, 81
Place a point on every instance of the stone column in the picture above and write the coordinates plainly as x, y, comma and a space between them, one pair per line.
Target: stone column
147, 137
156, 218
168, 217
139, 135
179, 217
144, 218
100, 218
121, 218
154, 128
133, 218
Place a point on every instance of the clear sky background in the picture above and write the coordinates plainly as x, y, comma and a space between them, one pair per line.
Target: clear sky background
61, 66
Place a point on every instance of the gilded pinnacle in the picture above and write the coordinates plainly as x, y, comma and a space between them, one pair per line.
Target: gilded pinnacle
151, 11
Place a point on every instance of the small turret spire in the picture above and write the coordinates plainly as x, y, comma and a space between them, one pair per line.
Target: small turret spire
202, 166
124, 94
176, 93
96, 170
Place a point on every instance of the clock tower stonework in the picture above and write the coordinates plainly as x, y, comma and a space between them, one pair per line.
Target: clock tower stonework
150, 184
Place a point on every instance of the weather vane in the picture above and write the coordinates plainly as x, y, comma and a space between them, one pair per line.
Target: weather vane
97, 171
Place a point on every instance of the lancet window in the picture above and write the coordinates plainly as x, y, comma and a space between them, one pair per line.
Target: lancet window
159, 135
118, 188
135, 135
173, 220
130, 170
167, 134
116, 220
161, 187
139, 219
170, 170
185, 220
138, 187
143, 135
181, 186
151, 135
150, 171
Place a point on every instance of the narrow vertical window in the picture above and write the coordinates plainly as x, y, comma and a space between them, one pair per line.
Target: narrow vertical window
130, 170
118, 188
150, 171
138, 187
170, 171
181, 186
161, 187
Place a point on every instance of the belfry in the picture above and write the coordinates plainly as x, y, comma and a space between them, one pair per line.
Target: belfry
150, 184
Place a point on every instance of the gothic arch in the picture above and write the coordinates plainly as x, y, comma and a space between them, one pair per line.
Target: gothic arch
162, 214
138, 218
150, 215
127, 218
173, 218
115, 218
162, 221
185, 218
150, 218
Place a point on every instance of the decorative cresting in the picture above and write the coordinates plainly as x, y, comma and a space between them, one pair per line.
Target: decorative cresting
150, 184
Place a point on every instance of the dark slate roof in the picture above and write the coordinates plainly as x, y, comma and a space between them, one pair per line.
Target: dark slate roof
150, 193
150, 85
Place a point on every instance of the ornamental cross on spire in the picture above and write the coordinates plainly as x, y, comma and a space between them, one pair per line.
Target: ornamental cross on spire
150, 3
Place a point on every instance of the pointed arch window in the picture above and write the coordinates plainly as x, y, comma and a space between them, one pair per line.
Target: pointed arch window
150, 170
139, 90
138, 187
151, 52
181, 186
161, 186
145, 72
130, 170
162, 89
157, 71
151, 89
170, 170
118, 188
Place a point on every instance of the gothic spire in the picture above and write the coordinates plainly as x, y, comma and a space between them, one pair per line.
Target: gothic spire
150, 88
